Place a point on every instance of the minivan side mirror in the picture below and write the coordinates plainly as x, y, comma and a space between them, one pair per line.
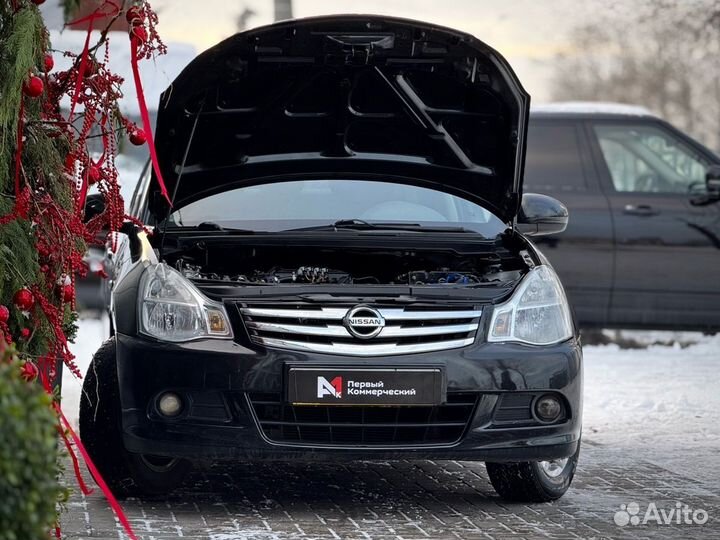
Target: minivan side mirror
540, 215
94, 206
712, 181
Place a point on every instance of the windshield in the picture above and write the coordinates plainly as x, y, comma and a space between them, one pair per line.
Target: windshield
291, 205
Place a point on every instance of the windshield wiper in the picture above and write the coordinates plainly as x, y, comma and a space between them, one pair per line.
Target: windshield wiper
210, 226
361, 225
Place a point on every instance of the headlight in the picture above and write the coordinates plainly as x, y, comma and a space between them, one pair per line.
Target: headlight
537, 313
173, 309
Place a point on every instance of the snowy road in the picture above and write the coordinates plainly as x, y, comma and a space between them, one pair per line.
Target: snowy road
651, 435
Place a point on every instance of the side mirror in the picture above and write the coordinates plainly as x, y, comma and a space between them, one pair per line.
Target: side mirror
712, 181
541, 215
94, 206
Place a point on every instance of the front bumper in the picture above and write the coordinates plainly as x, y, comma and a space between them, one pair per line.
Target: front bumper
218, 377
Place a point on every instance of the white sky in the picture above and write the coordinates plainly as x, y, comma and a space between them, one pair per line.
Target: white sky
528, 32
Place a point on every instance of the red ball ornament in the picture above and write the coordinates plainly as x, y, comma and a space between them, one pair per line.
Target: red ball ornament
49, 62
24, 300
68, 292
94, 174
29, 371
137, 136
33, 86
134, 16
25, 333
4, 314
38, 2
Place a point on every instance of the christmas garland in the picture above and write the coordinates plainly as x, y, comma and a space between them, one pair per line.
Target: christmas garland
46, 170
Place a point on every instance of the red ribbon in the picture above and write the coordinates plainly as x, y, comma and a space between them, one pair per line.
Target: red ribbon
97, 13
134, 47
76, 464
81, 68
96, 474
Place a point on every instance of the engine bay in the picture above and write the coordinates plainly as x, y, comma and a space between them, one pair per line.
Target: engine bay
275, 265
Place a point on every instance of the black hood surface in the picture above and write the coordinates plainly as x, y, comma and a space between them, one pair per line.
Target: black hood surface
349, 96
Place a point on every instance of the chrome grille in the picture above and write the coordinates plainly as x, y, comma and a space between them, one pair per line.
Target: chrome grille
411, 329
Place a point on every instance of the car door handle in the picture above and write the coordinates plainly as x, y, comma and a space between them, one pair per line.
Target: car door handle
640, 210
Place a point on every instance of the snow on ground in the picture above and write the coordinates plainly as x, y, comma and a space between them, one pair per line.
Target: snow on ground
660, 403
92, 332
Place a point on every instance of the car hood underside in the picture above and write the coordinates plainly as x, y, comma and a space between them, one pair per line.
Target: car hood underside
341, 96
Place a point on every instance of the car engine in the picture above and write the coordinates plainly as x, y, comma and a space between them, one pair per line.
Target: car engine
323, 275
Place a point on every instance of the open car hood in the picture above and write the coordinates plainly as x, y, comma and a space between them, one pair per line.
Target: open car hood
345, 97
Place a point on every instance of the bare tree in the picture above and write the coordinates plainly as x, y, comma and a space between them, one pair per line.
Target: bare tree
243, 18
662, 54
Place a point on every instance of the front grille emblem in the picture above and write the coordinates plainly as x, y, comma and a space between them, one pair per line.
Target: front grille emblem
364, 322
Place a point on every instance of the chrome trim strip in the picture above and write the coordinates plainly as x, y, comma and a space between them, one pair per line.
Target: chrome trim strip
341, 331
353, 349
399, 331
330, 330
323, 313
394, 314
391, 314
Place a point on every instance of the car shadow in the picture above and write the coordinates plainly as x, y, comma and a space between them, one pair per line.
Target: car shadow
396, 483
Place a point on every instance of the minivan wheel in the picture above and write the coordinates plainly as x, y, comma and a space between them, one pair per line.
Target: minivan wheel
533, 481
126, 474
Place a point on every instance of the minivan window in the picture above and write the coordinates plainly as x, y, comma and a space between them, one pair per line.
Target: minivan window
645, 158
553, 160
305, 203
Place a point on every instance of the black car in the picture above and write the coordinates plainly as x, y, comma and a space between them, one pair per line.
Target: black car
343, 273
642, 248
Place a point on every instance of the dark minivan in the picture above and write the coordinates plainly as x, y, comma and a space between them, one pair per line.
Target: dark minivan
344, 272
642, 248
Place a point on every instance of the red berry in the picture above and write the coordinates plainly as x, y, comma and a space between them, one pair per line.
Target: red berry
24, 300
38, 2
43, 250
4, 314
25, 333
134, 16
34, 86
138, 137
49, 62
29, 371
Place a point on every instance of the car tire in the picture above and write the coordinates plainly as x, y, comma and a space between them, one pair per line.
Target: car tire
126, 474
533, 481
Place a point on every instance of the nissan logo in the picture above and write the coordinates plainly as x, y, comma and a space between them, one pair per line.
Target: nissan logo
364, 322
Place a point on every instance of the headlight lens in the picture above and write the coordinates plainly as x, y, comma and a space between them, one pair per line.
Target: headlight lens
537, 313
173, 309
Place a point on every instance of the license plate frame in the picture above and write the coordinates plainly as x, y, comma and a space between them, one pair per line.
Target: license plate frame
365, 386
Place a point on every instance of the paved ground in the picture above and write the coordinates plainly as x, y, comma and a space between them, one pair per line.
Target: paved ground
405, 500
651, 437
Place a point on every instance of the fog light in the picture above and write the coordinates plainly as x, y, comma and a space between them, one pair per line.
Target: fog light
170, 404
548, 408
